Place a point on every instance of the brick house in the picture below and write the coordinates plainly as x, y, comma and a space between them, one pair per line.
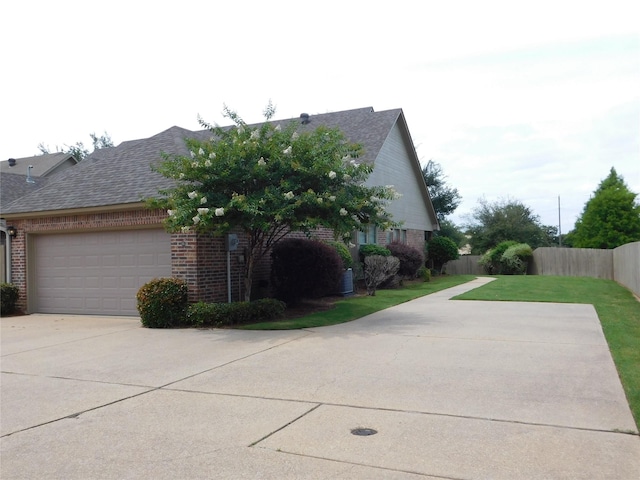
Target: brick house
19, 177
85, 242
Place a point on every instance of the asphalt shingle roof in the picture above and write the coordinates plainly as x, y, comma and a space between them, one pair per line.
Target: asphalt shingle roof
42, 164
122, 174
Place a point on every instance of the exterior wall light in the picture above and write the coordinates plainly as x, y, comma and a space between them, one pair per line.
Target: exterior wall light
12, 231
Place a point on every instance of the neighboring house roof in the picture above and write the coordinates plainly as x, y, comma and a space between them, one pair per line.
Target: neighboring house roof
43, 165
122, 175
14, 186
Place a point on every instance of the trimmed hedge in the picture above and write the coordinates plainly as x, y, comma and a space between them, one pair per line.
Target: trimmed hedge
163, 302
203, 314
9, 294
370, 249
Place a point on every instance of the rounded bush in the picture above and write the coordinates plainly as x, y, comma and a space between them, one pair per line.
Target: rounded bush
9, 294
441, 250
515, 259
492, 260
163, 303
411, 259
424, 273
345, 254
304, 268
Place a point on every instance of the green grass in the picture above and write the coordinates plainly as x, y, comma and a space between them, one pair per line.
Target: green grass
352, 308
617, 308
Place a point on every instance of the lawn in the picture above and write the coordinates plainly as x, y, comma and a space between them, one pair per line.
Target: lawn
617, 308
351, 308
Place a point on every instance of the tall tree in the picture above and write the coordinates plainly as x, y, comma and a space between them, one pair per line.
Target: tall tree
444, 198
269, 180
78, 150
506, 219
610, 218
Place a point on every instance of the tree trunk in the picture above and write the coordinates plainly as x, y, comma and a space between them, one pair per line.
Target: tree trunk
248, 275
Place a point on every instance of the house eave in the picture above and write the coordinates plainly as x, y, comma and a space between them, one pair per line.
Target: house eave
75, 211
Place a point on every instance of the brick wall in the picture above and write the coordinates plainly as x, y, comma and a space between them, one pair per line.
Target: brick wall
70, 223
201, 260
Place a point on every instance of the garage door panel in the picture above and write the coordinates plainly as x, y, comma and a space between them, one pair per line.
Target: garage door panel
97, 272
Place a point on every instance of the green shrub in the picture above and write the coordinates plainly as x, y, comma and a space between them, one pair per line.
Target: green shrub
424, 273
345, 254
9, 294
491, 261
302, 268
203, 314
515, 259
411, 259
267, 309
163, 302
441, 250
368, 250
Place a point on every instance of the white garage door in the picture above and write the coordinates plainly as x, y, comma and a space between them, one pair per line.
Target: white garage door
97, 272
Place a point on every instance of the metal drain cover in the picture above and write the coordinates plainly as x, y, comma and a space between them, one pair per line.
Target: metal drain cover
363, 432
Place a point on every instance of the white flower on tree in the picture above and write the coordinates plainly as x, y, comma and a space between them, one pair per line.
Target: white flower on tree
212, 155
200, 151
219, 212
262, 162
287, 151
203, 200
207, 163
289, 195
343, 212
196, 219
192, 195
332, 174
203, 211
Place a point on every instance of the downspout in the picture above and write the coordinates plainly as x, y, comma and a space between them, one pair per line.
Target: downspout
7, 254
7, 259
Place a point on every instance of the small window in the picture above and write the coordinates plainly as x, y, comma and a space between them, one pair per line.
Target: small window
403, 236
368, 236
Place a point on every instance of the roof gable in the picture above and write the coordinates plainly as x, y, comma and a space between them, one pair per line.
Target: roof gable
43, 165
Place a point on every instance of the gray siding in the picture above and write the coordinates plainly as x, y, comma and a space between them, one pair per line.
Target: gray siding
394, 166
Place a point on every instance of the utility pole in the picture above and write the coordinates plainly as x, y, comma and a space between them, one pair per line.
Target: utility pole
559, 224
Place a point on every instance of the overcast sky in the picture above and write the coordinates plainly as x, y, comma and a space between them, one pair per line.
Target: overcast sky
521, 100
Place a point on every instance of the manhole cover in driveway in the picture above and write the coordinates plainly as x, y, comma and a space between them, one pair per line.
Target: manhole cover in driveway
363, 432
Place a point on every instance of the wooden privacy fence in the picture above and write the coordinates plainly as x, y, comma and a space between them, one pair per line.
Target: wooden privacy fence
621, 264
465, 265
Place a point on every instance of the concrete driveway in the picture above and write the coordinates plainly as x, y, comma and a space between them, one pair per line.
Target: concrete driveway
454, 389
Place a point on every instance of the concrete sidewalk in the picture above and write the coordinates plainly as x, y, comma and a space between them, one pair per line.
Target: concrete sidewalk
454, 389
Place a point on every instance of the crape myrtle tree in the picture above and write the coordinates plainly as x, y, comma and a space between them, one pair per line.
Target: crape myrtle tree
268, 180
